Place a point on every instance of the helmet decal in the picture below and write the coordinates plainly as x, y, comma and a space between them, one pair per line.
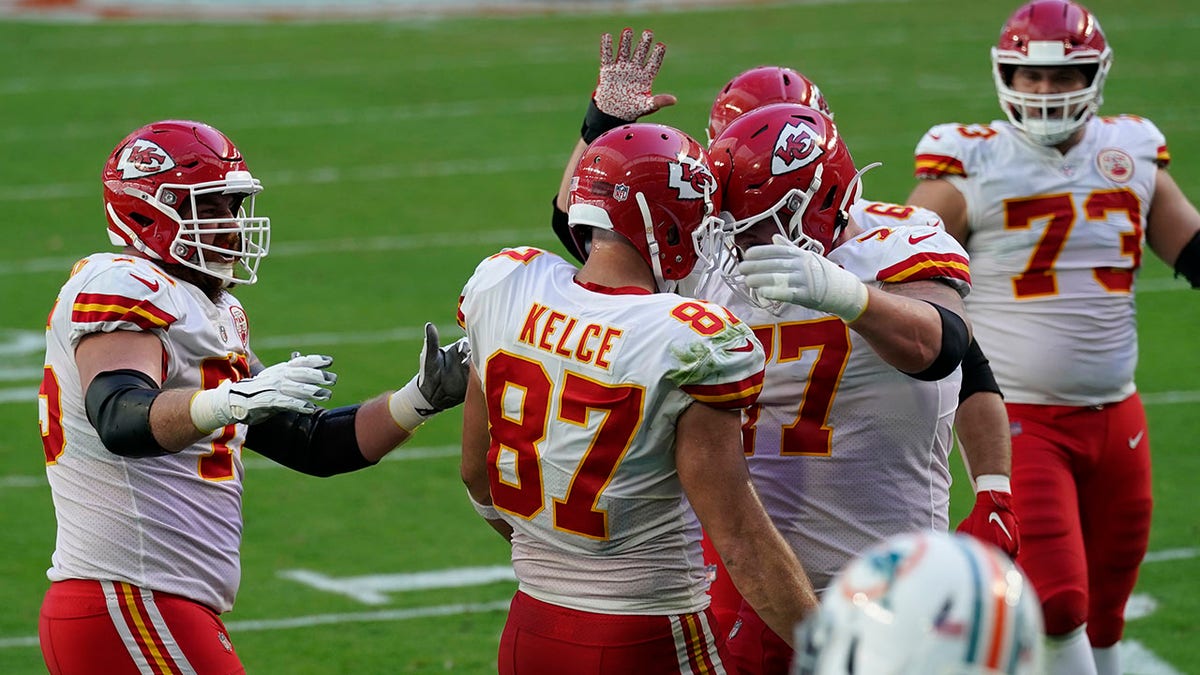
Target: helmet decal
690, 178
144, 158
796, 147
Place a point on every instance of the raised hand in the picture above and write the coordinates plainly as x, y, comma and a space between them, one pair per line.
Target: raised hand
440, 382
442, 379
624, 89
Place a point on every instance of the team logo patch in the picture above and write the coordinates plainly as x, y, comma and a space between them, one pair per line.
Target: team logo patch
795, 147
876, 578
1115, 165
144, 158
224, 640
691, 178
240, 324
621, 192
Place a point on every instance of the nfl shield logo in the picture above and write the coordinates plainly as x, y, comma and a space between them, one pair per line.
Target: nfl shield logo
621, 192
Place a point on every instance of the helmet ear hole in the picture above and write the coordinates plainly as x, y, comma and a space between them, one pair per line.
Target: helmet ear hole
141, 219
830, 199
673, 235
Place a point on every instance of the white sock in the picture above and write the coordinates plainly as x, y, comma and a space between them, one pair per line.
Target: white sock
1108, 659
1070, 654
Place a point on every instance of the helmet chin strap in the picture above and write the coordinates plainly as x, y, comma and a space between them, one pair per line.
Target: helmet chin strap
660, 284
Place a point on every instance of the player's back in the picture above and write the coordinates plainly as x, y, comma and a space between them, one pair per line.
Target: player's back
844, 449
584, 386
170, 523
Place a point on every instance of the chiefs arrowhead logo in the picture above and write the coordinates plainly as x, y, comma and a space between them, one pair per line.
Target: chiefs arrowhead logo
240, 324
144, 158
690, 178
795, 147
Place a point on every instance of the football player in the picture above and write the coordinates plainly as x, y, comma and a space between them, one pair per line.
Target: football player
1056, 206
150, 393
603, 419
858, 306
624, 87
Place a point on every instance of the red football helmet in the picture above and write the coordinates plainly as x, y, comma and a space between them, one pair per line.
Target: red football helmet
1051, 33
783, 169
785, 166
758, 87
151, 183
651, 184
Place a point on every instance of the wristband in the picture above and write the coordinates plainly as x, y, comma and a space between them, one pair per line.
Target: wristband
487, 511
994, 482
596, 122
210, 410
406, 405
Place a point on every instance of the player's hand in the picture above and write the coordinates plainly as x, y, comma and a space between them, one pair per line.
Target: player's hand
440, 382
625, 86
993, 521
784, 272
295, 385
442, 379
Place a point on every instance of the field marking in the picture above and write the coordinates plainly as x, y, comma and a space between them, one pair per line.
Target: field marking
1138, 659
62, 264
372, 589
322, 176
250, 625
258, 463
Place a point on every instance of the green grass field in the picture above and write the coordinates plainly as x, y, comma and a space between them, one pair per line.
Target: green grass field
396, 156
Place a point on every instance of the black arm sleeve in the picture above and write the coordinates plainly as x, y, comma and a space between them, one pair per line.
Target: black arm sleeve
318, 444
596, 122
976, 374
1188, 262
118, 406
558, 221
954, 345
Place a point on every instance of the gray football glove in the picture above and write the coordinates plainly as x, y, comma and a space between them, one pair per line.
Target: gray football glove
440, 382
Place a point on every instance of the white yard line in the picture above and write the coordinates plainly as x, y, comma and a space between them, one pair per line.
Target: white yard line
249, 625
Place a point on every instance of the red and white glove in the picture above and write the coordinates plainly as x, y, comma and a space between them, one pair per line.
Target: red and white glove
993, 520
624, 88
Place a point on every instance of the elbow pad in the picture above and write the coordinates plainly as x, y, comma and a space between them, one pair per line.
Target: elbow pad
954, 345
319, 444
976, 374
1188, 262
118, 406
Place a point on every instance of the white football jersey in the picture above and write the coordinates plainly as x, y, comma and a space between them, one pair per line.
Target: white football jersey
1055, 242
584, 387
844, 449
170, 523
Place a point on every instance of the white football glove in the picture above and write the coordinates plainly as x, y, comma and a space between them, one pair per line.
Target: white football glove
292, 385
785, 272
440, 383
624, 87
